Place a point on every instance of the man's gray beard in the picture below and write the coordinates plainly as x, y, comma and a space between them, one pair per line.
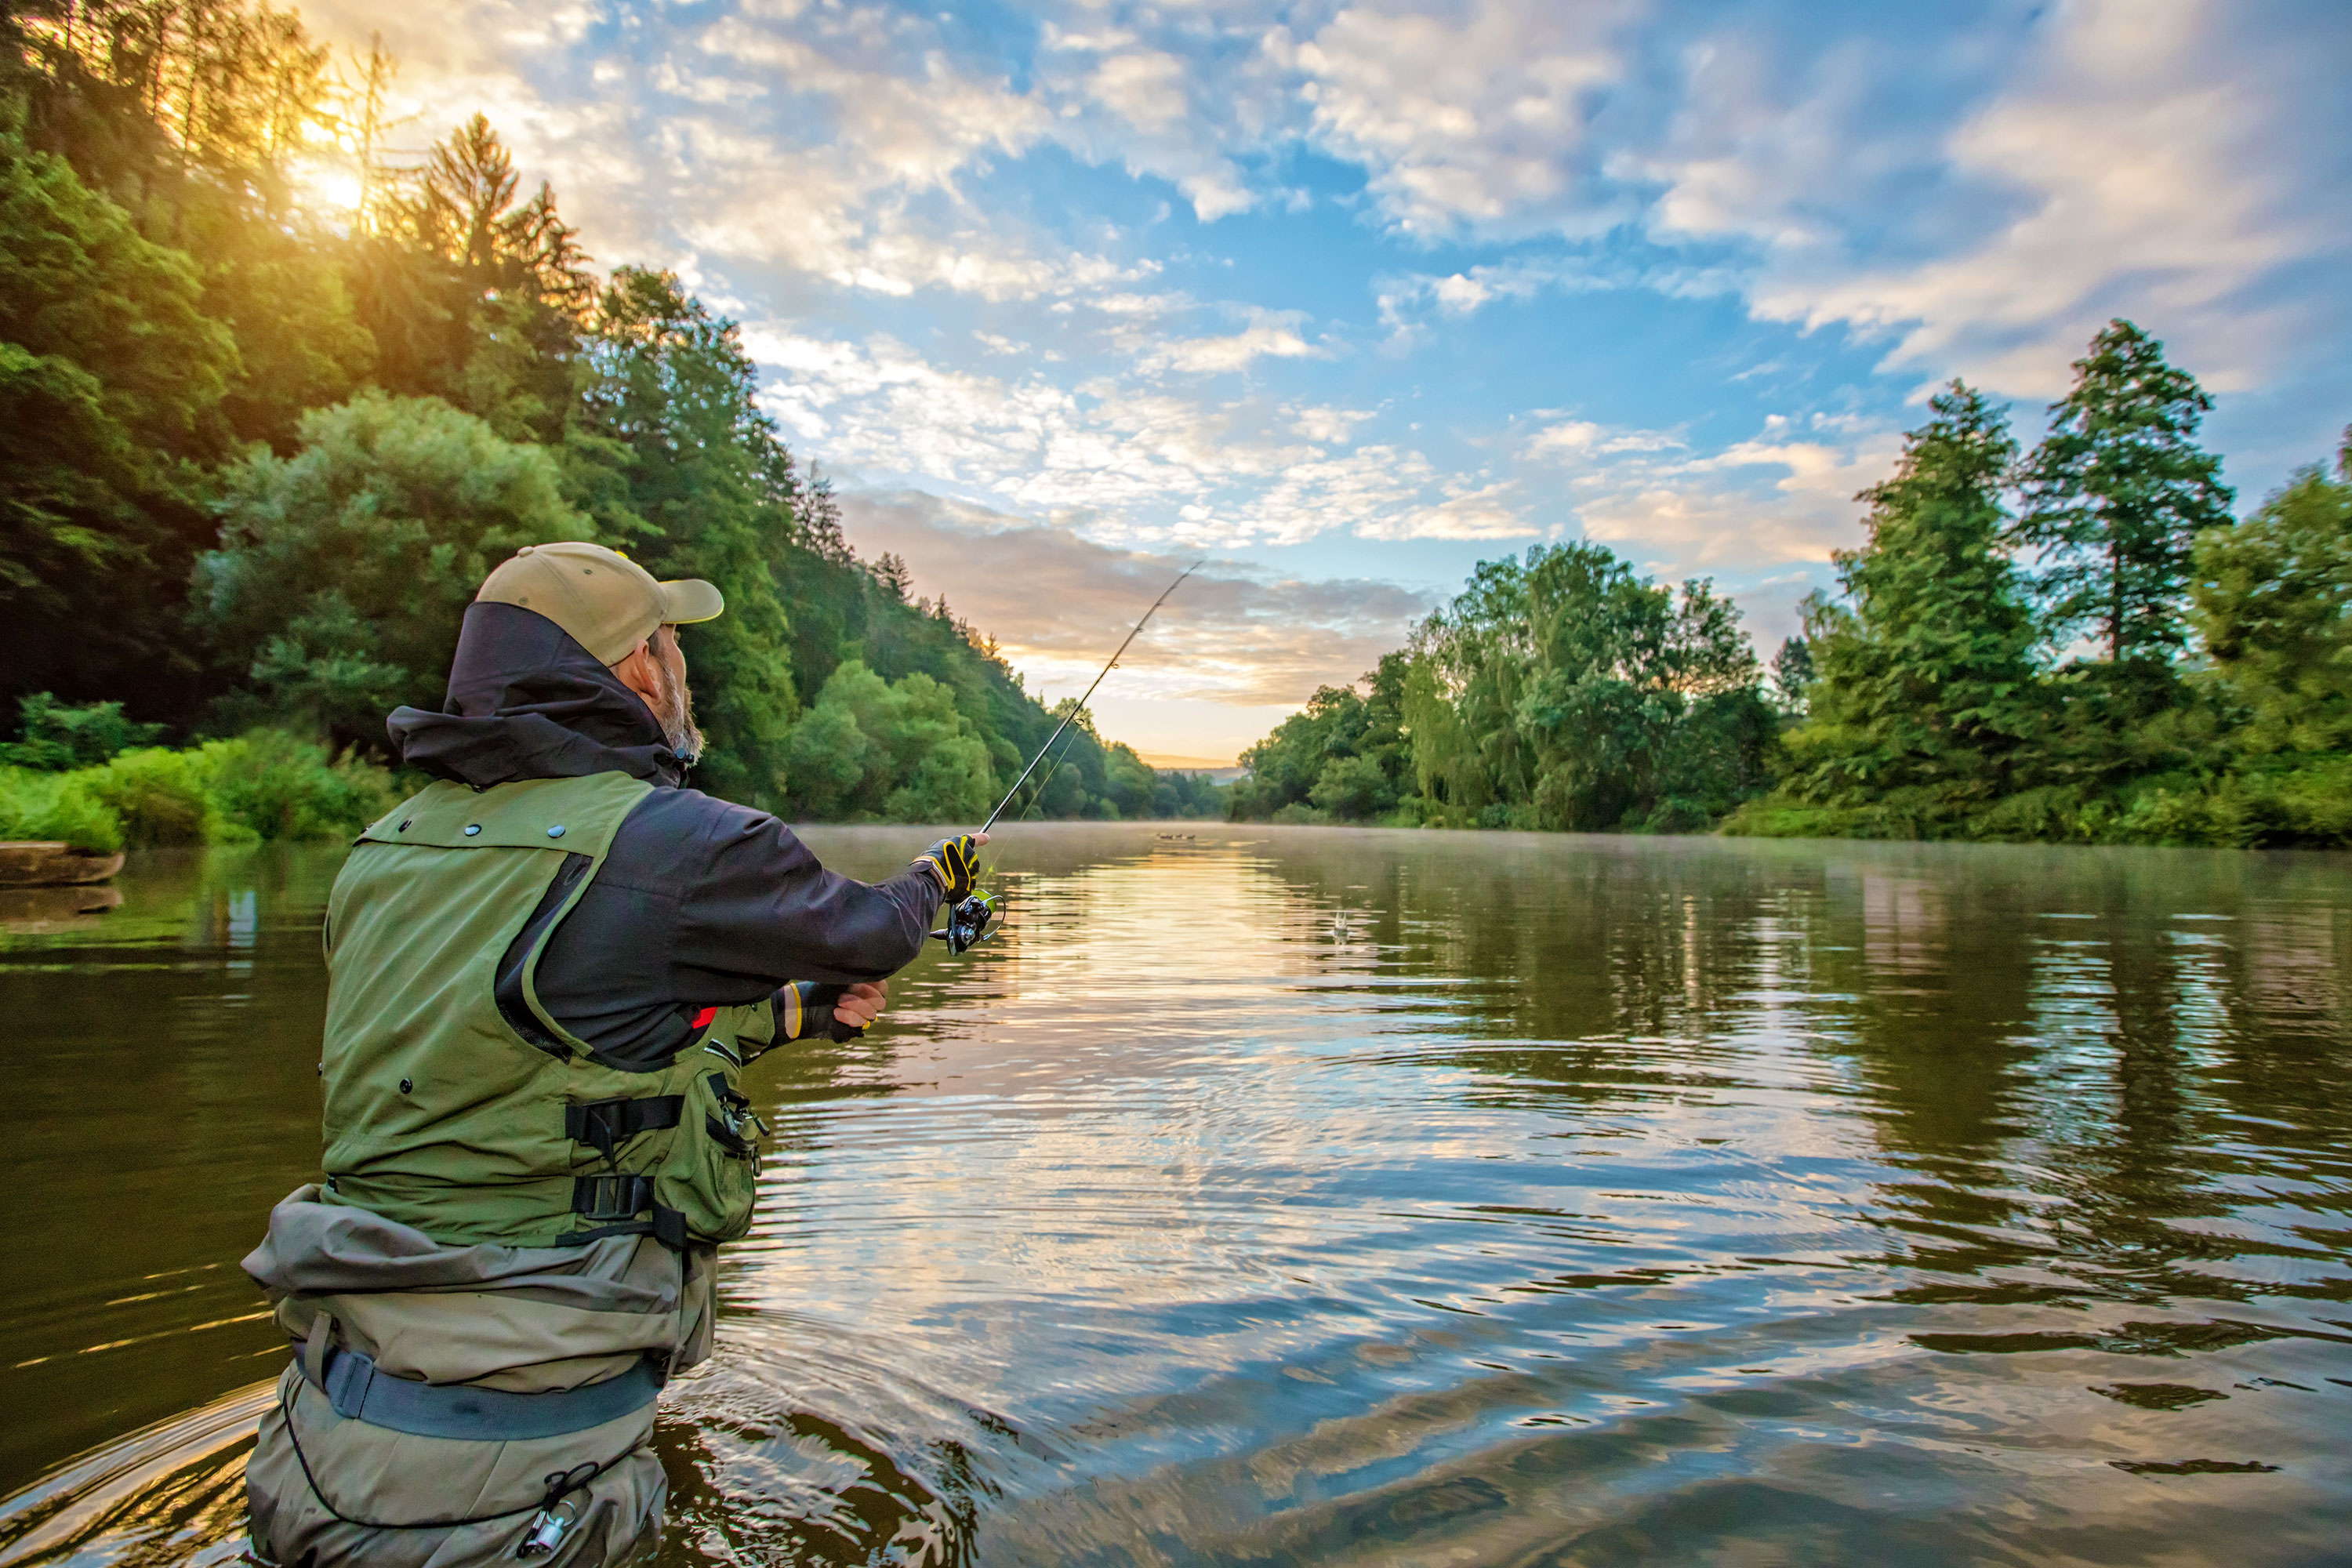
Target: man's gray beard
674, 711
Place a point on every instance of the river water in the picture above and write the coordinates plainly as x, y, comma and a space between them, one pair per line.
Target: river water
1302, 1196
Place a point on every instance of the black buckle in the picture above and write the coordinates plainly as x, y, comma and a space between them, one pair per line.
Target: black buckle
608, 1198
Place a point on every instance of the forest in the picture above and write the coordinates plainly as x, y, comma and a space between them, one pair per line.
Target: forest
2081, 643
258, 449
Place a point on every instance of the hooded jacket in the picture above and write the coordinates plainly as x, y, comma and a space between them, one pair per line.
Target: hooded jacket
699, 902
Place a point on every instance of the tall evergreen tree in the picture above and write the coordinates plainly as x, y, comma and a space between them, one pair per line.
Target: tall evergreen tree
2116, 494
1926, 678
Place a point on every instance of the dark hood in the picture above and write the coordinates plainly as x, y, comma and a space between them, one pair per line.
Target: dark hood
528, 702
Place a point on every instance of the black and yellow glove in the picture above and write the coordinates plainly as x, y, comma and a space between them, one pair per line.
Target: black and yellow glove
956, 862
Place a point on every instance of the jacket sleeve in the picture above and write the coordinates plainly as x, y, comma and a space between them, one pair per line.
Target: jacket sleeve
760, 904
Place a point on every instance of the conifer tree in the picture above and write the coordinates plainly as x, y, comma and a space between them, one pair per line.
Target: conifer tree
1927, 678
2116, 494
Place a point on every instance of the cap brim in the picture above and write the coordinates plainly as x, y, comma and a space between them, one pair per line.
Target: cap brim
688, 600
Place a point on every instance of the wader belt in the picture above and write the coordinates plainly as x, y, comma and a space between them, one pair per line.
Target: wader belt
359, 1393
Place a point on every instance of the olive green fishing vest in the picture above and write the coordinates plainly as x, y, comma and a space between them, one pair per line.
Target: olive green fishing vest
459, 1105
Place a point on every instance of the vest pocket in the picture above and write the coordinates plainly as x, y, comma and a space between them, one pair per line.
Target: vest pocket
712, 1173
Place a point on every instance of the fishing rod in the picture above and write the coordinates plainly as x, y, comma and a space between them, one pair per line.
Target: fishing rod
970, 923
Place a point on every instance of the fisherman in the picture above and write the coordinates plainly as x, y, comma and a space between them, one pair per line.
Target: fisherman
546, 973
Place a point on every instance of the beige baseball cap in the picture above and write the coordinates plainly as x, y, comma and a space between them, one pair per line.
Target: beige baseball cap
607, 601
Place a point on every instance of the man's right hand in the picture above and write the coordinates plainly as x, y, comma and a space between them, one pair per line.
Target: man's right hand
956, 863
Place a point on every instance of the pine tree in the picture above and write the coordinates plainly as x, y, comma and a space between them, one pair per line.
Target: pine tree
2116, 494
1927, 680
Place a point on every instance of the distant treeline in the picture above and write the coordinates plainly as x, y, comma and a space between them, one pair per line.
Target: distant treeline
254, 460
2075, 643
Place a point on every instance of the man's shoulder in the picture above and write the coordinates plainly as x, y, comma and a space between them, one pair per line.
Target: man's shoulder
671, 822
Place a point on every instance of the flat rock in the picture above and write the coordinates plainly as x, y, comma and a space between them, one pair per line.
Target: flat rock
45, 863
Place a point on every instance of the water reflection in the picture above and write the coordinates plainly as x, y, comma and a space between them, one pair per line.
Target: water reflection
1272, 1196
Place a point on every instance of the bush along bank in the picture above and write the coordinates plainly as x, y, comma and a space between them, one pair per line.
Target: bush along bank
2074, 644
263, 786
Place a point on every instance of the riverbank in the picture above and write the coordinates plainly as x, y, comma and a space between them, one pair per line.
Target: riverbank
262, 786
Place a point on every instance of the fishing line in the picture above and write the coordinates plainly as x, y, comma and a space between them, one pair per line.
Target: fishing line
970, 921
1080, 706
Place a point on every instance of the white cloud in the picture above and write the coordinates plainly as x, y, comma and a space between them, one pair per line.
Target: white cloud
1583, 438
1058, 604
1270, 337
1679, 515
1126, 464
1489, 512
1478, 119
2151, 158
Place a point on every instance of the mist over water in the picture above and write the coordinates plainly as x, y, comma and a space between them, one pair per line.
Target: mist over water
1269, 1196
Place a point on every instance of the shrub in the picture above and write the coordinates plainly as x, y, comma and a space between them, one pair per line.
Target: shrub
267, 784
56, 807
160, 796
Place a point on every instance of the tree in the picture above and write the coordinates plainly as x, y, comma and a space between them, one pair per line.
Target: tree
344, 572
2116, 493
870, 749
2272, 604
1567, 693
698, 485
110, 378
58, 737
1926, 677
1792, 673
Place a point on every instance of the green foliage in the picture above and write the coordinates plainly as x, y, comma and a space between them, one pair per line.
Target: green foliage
702, 488
2272, 602
111, 374
268, 784
1561, 692
2116, 494
1177, 795
161, 797
899, 751
45, 807
263, 786
1925, 679
57, 736
1289, 766
1793, 671
1932, 718
1582, 697
344, 570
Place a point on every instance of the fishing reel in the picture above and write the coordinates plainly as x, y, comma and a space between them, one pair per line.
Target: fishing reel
972, 922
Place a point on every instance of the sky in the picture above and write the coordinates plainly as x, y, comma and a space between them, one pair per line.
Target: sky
1345, 298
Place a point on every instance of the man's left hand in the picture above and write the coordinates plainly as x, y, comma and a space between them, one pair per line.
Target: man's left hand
859, 1005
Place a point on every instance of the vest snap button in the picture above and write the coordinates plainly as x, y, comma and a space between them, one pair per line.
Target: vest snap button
407, 1084
556, 831
472, 828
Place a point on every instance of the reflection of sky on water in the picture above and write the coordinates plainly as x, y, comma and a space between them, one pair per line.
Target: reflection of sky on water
1297, 1196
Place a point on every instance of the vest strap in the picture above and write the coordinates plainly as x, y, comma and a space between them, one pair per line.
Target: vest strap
606, 1124
610, 1204
359, 1393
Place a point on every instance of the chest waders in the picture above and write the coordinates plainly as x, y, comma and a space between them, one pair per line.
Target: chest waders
458, 1107
456, 1103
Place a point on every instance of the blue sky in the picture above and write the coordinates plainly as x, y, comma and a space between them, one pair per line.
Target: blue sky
1346, 297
